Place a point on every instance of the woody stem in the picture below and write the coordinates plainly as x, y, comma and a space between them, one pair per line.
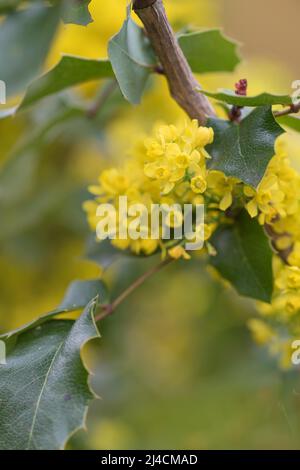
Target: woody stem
110, 308
182, 84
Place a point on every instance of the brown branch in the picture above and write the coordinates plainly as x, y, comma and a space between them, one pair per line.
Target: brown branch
110, 308
293, 109
182, 83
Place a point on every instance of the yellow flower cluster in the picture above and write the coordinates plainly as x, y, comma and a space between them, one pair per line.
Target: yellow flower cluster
170, 168
176, 155
276, 203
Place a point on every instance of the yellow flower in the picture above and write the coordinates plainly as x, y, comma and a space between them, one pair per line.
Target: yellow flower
113, 182
222, 186
288, 278
177, 154
144, 246
198, 136
208, 230
277, 196
90, 207
260, 330
198, 184
292, 303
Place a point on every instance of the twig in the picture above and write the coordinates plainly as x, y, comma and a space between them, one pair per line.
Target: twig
110, 308
293, 109
182, 84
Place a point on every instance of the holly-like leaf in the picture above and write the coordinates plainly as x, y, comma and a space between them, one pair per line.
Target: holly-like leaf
44, 390
244, 150
68, 72
78, 295
209, 51
244, 257
77, 12
25, 38
264, 99
292, 122
132, 60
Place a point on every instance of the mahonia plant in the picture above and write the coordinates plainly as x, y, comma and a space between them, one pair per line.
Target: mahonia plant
236, 168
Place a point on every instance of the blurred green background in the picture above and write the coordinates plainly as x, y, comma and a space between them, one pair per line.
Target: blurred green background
176, 367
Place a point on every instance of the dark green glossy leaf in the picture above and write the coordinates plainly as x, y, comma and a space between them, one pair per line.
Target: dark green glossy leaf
132, 60
25, 38
68, 72
264, 99
209, 51
244, 150
44, 390
244, 257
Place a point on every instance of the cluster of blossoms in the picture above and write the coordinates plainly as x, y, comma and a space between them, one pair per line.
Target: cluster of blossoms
276, 203
172, 167
167, 169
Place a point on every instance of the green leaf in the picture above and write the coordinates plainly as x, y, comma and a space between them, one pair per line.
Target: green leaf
244, 257
73, 11
209, 51
25, 38
132, 60
244, 150
290, 121
44, 388
264, 99
78, 295
68, 72
77, 12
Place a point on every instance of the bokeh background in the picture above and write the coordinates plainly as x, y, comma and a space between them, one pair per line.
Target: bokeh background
176, 366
